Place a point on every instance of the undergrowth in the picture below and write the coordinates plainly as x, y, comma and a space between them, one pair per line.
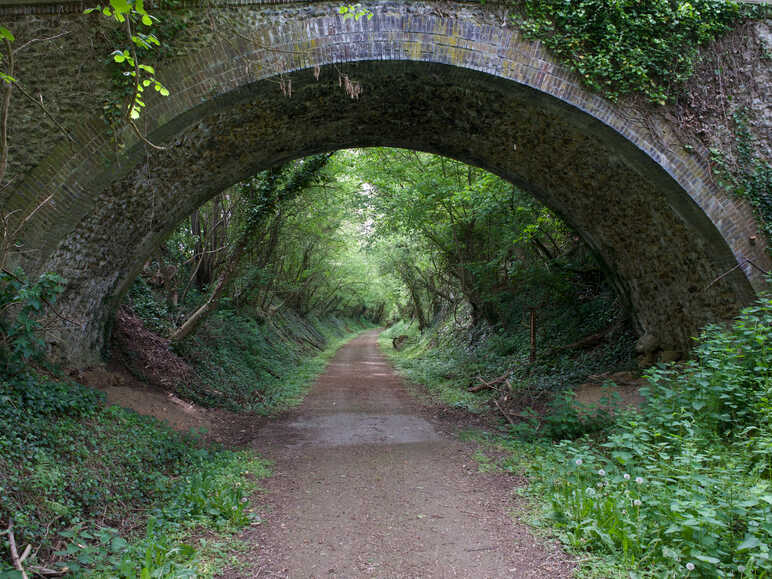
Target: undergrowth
245, 365
92, 491
106, 492
681, 487
447, 358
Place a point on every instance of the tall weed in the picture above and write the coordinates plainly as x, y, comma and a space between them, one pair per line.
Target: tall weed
681, 487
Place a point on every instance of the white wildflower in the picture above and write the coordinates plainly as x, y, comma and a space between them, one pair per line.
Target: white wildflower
637, 502
602, 472
639, 480
578, 461
690, 566
626, 476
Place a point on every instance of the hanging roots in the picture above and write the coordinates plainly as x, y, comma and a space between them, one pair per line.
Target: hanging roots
352, 87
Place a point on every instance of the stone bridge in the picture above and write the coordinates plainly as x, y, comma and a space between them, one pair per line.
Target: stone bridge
255, 83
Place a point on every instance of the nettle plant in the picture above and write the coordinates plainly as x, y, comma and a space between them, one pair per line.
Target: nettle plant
681, 487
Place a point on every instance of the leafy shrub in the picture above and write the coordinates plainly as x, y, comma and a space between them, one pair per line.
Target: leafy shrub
683, 486
726, 389
74, 471
567, 418
22, 301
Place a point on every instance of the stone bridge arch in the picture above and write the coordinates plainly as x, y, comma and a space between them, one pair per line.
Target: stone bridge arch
446, 78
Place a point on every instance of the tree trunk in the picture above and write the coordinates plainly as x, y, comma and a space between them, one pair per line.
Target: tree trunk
222, 281
277, 196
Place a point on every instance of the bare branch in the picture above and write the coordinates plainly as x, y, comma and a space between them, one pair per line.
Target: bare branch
39, 103
15, 559
142, 137
31, 214
49, 39
4, 113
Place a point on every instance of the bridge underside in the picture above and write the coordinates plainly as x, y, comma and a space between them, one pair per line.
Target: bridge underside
448, 78
660, 249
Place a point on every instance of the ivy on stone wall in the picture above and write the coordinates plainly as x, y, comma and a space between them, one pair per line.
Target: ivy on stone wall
623, 47
627, 46
750, 177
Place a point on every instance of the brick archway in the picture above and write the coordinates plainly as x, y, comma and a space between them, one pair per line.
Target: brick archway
463, 86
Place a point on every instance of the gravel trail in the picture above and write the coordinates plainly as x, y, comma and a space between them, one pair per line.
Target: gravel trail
368, 484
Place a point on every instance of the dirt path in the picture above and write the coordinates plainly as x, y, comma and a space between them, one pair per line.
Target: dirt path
366, 486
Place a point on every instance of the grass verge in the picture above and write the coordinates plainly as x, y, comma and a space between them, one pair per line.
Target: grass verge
434, 369
245, 365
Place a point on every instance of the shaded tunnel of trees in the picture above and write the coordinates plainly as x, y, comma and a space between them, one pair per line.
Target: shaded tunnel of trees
387, 234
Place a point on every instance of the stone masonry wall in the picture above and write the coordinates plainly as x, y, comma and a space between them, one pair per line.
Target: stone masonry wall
442, 77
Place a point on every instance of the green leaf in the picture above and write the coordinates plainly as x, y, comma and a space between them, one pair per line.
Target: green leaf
6, 34
706, 559
120, 6
118, 544
750, 542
